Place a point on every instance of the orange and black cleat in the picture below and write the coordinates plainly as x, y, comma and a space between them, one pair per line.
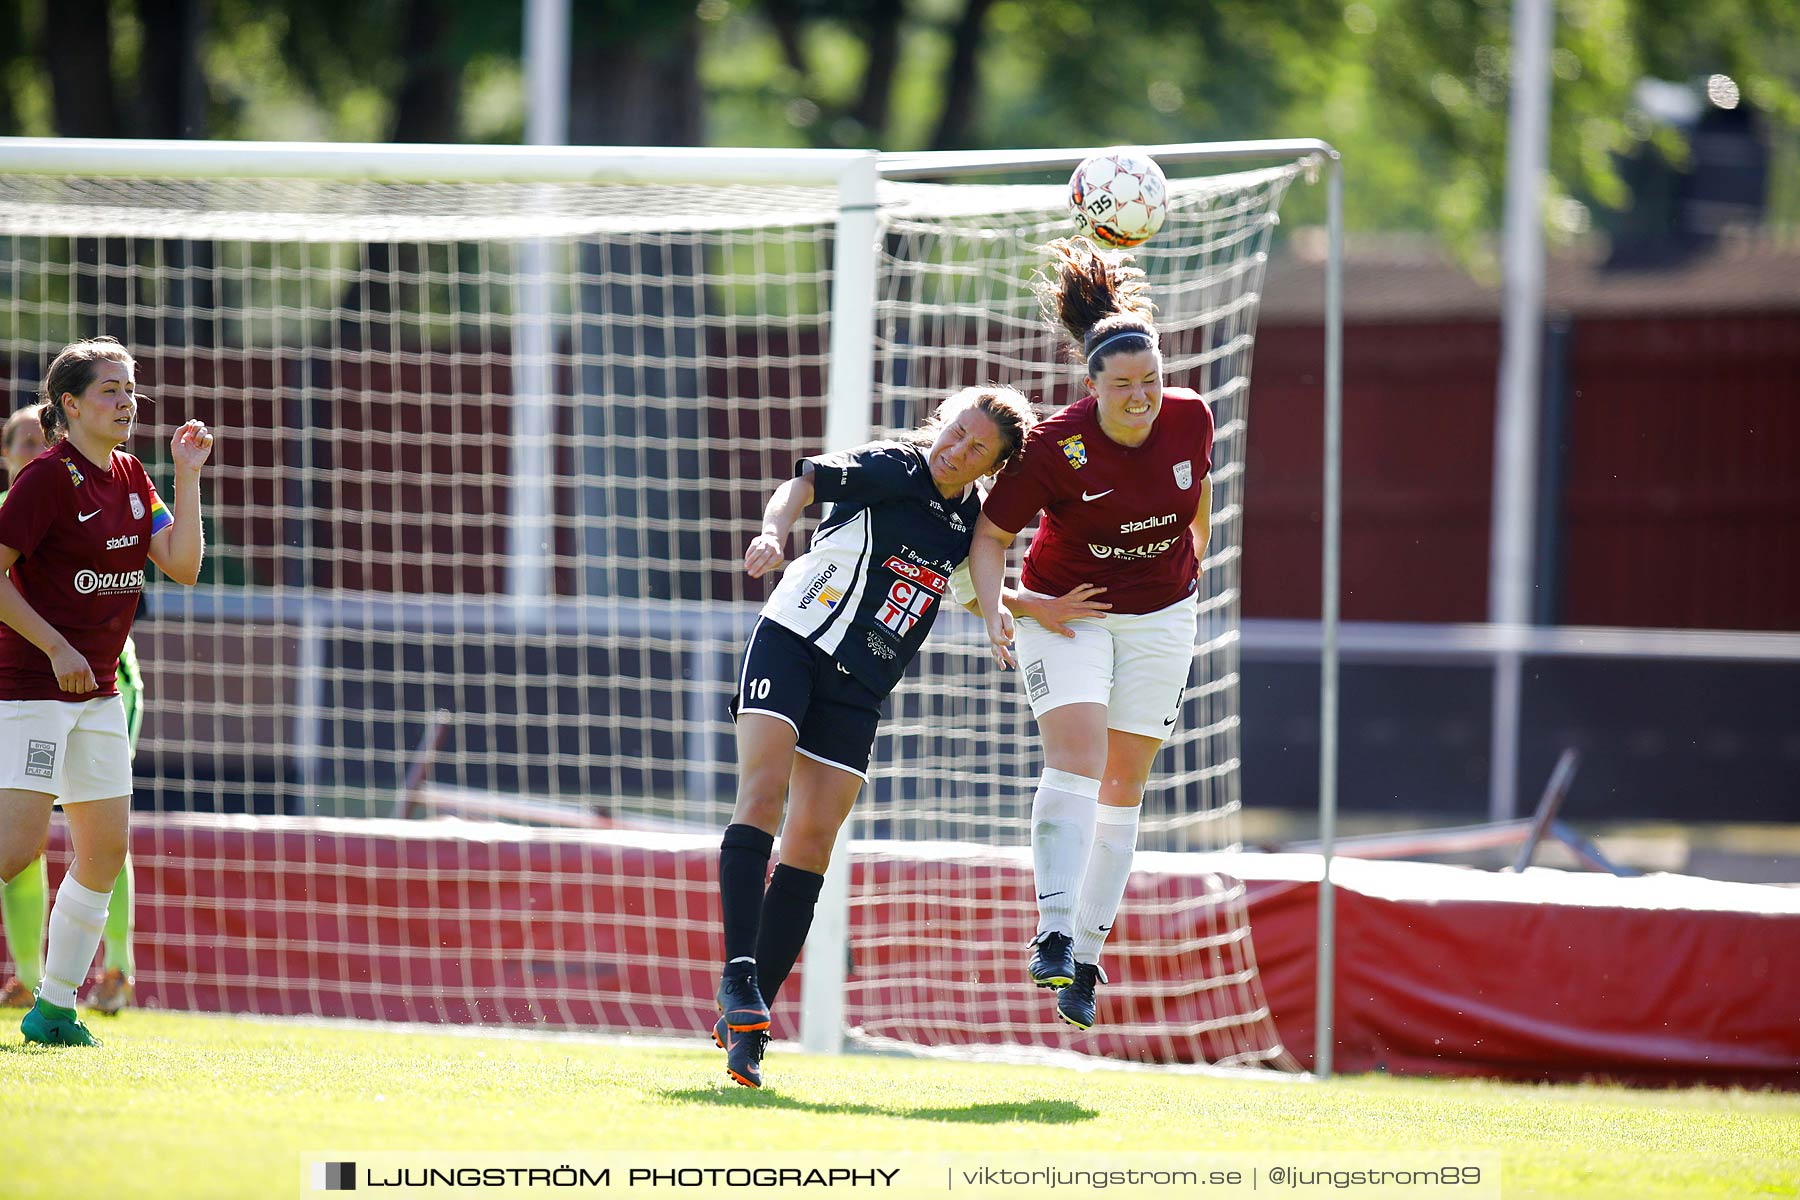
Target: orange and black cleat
740, 1001
743, 1052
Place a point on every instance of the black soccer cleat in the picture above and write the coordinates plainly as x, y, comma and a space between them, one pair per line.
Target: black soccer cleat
1075, 1003
743, 1052
740, 1000
1053, 962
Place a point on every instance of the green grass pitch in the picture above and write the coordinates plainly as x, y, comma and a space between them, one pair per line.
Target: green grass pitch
190, 1106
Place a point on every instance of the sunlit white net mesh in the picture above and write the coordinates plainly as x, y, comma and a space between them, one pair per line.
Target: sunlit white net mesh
488, 458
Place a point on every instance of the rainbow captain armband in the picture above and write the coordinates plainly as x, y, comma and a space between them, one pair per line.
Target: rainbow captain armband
159, 515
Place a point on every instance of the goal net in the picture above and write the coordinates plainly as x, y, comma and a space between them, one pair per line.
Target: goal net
441, 735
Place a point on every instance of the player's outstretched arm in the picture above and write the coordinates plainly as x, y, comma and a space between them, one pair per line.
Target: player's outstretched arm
179, 548
768, 549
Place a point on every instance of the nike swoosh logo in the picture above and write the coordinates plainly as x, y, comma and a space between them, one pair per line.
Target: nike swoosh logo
85, 517
1047, 895
1169, 721
1097, 495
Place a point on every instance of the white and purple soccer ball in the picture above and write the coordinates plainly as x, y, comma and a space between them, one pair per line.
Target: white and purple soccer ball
1119, 198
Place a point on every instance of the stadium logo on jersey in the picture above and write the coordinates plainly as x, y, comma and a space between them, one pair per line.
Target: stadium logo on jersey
816, 590
1148, 523
119, 543
108, 583
923, 576
137, 507
1075, 450
74, 472
1184, 475
40, 759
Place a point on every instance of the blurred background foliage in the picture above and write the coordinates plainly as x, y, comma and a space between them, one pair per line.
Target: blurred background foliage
1413, 91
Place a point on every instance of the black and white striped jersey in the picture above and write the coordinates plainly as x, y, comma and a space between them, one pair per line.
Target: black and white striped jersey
868, 589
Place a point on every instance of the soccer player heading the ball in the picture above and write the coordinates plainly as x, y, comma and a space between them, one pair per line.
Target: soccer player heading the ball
77, 527
1121, 477
832, 641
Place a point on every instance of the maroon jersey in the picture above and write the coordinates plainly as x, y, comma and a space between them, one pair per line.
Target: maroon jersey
1116, 516
83, 536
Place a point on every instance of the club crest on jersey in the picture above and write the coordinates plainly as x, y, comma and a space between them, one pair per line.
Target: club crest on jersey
137, 506
1076, 451
74, 472
1184, 475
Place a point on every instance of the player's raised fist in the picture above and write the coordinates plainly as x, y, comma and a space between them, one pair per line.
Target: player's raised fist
191, 445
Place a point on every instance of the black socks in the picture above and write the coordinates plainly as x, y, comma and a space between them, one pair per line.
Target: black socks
743, 865
787, 914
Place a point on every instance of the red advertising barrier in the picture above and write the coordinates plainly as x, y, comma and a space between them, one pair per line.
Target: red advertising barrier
1659, 980
1547, 975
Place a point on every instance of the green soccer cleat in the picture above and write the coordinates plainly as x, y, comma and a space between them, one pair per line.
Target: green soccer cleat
52, 1025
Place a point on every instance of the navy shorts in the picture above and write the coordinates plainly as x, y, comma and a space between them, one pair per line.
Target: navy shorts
833, 712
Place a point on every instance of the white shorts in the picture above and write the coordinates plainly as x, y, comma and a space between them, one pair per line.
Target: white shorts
74, 751
1134, 663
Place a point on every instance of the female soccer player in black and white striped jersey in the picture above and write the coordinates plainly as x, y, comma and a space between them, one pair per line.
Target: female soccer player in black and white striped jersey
79, 524
831, 643
1121, 477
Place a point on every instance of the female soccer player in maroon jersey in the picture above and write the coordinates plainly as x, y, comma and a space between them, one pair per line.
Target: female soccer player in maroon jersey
77, 527
24, 898
1121, 477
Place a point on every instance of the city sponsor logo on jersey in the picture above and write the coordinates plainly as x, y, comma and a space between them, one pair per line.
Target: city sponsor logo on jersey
74, 472
909, 597
119, 543
1184, 475
816, 590
137, 506
1075, 450
108, 583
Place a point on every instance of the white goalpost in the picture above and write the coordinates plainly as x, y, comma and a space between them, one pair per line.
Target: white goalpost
442, 733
